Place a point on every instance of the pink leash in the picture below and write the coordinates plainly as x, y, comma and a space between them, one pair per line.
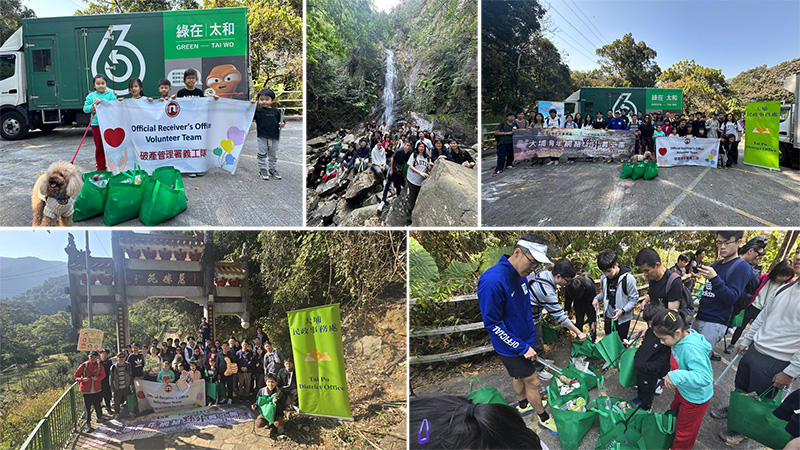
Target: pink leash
84, 137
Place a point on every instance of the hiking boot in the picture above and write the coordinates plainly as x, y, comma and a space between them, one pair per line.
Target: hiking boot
715, 357
721, 413
545, 376
264, 174
729, 349
731, 437
549, 425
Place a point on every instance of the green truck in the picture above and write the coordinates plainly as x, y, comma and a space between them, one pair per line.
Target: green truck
47, 66
590, 100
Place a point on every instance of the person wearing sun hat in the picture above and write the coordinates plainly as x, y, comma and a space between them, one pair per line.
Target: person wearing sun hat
504, 300
90, 375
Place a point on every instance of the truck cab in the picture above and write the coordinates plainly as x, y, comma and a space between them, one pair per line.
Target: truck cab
13, 111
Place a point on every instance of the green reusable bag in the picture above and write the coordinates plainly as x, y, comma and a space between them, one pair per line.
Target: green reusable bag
590, 381
554, 393
132, 402
650, 170
164, 197
572, 425
91, 201
627, 170
611, 345
586, 348
737, 319
627, 369
548, 333
638, 171
485, 395
215, 390
405, 170
607, 418
753, 418
267, 407
657, 429
619, 438
124, 196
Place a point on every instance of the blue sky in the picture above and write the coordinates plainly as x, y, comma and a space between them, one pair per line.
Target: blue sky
682, 29
50, 246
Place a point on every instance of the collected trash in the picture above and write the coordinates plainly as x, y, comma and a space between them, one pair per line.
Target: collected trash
580, 362
578, 405
566, 385
623, 406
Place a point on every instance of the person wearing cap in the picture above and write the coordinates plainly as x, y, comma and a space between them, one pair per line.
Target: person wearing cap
617, 123
121, 382
505, 150
712, 126
90, 375
106, 390
617, 292
504, 301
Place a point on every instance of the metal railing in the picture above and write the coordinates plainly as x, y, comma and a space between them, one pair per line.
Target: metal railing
59, 424
298, 101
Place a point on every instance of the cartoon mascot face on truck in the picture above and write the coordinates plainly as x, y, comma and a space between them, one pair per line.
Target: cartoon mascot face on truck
224, 79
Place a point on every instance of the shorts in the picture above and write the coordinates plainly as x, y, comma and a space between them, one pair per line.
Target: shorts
518, 366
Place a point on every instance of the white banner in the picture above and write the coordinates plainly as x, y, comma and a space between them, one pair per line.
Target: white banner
192, 134
169, 397
686, 151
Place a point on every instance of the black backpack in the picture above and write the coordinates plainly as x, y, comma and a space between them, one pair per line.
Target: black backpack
686, 295
746, 299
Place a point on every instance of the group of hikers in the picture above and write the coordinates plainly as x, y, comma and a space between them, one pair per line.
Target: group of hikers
648, 127
401, 156
677, 345
242, 370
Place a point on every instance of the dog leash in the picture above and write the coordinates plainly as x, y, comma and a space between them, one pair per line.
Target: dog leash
84, 137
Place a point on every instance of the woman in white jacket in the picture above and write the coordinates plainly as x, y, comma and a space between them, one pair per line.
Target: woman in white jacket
378, 159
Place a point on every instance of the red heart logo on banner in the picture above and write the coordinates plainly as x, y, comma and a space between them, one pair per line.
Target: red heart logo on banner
662, 151
114, 136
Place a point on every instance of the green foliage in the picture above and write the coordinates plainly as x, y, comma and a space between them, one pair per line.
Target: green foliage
765, 84
47, 298
11, 14
520, 65
704, 89
629, 63
422, 268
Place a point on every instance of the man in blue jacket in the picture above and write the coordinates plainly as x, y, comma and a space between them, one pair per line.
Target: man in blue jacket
725, 282
504, 300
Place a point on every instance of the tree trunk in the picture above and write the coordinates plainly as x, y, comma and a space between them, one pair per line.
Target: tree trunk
788, 245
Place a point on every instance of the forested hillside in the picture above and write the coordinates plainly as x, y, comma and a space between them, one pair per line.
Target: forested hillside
434, 44
17, 275
47, 298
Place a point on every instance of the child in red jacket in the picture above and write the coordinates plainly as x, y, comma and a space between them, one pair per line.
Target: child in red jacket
90, 374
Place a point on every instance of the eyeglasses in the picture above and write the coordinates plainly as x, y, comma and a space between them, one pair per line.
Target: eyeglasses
533, 262
723, 243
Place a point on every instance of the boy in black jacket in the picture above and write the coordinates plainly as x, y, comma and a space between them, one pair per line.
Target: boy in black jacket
651, 361
269, 122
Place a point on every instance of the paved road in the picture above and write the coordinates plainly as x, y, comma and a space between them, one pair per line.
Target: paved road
216, 199
592, 194
559, 352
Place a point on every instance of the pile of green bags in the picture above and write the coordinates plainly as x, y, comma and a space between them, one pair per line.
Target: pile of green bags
152, 198
647, 170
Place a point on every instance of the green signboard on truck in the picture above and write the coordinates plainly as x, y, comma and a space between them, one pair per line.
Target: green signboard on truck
590, 100
47, 66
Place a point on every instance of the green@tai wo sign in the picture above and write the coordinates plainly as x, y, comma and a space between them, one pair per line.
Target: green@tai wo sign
319, 361
761, 134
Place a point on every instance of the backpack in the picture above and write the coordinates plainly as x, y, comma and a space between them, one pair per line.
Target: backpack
783, 288
686, 295
746, 298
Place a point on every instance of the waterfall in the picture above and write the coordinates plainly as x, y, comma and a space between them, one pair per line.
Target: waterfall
388, 89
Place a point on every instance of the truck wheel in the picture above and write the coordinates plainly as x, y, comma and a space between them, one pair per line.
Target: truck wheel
13, 126
785, 155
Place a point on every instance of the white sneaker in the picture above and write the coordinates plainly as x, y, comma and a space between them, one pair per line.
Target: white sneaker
381, 205
545, 375
555, 163
550, 163
230, 400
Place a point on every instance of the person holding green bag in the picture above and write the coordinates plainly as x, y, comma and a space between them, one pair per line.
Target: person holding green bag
580, 293
772, 346
691, 375
651, 362
506, 312
618, 293
270, 393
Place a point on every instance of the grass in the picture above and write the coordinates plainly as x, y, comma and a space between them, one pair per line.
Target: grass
11, 381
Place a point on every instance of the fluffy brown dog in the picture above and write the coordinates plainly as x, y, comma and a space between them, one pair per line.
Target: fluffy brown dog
54, 195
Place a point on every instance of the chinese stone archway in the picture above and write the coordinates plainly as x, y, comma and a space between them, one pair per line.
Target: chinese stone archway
156, 265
